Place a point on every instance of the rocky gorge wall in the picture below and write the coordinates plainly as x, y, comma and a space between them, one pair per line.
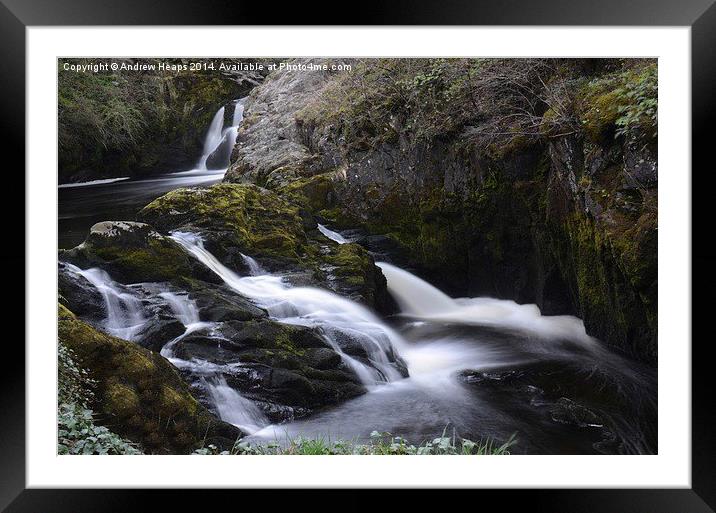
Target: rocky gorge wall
527, 180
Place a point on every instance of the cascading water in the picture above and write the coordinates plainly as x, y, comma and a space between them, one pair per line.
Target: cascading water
334, 236
335, 317
254, 267
417, 298
232, 407
220, 141
124, 314
213, 138
186, 312
184, 309
495, 342
99, 200
229, 404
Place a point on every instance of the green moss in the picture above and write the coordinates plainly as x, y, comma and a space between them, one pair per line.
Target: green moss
283, 341
618, 102
315, 193
158, 260
250, 218
138, 392
121, 400
131, 252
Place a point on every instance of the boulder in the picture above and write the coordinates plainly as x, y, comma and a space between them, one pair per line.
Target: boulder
140, 395
242, 218
131, 252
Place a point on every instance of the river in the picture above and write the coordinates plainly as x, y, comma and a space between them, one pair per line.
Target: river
478, 367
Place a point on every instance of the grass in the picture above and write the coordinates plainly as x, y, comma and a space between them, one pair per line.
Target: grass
380, 444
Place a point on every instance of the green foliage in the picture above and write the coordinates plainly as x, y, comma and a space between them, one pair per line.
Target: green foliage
498, 106
623, 102
77, 431
380, 444
641, 111
102, 111
78, 434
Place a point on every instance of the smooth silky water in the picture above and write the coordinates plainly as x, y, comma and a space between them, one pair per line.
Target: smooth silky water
84, 204
478, 367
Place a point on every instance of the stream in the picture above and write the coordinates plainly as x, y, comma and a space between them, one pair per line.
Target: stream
84, 204
477, 367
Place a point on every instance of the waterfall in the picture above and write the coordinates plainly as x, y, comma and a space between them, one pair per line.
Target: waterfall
417, 298
334, 236
230, 405
220, 141
233, 408
213, 138
413, 295
184, 309
336, 318
124, 312
186, 312
254, 267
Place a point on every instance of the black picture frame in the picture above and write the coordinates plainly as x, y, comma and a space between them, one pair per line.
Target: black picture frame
17, 15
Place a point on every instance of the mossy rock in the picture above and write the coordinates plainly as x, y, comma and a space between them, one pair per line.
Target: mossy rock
316, 193
140, 395
131, 252
277, 230
242, 216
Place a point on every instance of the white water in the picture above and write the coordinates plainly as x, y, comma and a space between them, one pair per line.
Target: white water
218, 137
254, 267
432, 395
124, 312
417, 298
213, 138
184, 309
232, 407
335, 317
186, 312
91, 182
334, 236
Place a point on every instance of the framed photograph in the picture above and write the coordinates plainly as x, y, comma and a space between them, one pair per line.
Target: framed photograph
451, 254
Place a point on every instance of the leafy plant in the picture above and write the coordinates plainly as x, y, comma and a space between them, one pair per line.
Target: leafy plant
77, 431
78, 434
641, 110
381, 443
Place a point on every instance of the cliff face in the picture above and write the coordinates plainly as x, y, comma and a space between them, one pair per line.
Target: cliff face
529, 180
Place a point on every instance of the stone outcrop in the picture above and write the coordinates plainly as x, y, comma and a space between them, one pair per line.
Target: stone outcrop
140, 395
560, 211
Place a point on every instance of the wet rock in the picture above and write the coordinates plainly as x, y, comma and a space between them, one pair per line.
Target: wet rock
282, 365
140, 394
131, 252
78, 294
159, 332
220, 303
322, 358
566, 411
